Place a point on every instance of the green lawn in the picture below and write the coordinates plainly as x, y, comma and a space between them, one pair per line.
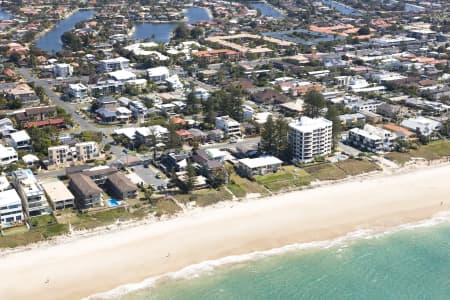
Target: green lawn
287, 178
165, 206
248, 186
355, 166
210, 196
326, 171
42, 228
398, 157
432, 151
237, 190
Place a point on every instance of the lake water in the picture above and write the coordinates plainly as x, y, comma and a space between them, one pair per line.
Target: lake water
5, 16
344, 9
412, 262
161, 32
51, 41
266, 9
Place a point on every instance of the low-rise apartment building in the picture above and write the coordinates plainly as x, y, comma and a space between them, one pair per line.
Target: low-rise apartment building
31, 192
309, 138
229, 126
371, 138
87, 151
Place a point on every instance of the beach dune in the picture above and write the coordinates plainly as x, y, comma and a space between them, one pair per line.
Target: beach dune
82, 267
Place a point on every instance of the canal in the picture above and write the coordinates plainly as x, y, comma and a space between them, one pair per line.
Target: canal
51, 41
161, 32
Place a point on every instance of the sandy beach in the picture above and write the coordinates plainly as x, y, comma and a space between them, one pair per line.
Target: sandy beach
85, 266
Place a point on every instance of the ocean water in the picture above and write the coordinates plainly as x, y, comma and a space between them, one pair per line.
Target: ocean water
409, 262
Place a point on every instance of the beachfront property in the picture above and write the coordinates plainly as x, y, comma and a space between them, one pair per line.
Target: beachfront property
228, 125
371, 138
8, 155
422, 125
58, 194
31, 192
113, 64
87, 193
250, 167
309, 138
119, 186
10, 208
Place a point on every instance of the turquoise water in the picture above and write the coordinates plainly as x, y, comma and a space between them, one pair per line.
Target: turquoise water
409, 264
342, 8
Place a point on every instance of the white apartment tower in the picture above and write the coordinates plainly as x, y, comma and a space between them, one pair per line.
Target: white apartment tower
309, 138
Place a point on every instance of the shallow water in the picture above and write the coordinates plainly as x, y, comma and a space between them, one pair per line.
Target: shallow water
410, 262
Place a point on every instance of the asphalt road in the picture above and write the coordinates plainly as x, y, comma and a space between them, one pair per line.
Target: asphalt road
56, 99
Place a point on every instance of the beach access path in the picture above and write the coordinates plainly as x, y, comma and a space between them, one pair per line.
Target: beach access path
78, 268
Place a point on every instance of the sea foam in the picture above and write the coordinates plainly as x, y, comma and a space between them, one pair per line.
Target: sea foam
205, 267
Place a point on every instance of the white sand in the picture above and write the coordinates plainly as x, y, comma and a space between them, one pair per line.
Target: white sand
99, 263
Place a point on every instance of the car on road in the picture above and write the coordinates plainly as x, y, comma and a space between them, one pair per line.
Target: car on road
157, 175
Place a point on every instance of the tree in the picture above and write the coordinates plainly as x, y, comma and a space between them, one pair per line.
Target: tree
274, 138
181, 32
314, 103
174, 140
190, 177
333, 116
281, 138
364, 31
192, 103
268, 136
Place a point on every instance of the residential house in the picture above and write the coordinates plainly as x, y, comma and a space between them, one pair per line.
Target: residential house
20, 140
10, 208
6, 127
422, 125
31, 192
8, 155
36, 114
250, 167
77, 91
352, 120
23, 93
114, 64
158, 74
309, 138
62, 70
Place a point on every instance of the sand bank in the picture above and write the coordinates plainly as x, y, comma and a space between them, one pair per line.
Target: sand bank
90, 265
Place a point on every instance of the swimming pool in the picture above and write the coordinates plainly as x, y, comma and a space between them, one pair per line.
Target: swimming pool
113, 203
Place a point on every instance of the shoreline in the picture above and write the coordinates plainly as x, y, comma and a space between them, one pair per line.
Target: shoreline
139, 252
